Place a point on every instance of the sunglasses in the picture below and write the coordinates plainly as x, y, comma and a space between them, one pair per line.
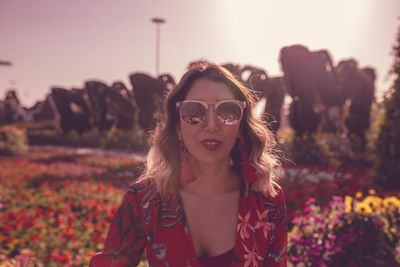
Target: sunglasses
194, 112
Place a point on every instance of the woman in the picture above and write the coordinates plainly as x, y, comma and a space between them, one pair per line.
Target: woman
208, 195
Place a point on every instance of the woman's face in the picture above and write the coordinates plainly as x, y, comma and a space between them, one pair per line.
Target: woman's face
210, 141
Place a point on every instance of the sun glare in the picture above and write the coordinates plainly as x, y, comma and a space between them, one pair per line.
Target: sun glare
264, 27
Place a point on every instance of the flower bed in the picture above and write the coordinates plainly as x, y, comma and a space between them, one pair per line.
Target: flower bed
55, 207
301, 183
349, 231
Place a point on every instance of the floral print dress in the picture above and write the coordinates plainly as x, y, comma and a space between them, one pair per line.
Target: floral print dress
146, 220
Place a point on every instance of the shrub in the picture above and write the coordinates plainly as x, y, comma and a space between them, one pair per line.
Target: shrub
44, 133
305, 150
343, 151
387, 145
120, 139
352, 232
12, 140
330, 149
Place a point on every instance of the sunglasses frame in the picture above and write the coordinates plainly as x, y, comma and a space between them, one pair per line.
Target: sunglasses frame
206, 105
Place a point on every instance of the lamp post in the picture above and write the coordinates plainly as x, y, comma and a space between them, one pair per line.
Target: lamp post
158, 21
5, 63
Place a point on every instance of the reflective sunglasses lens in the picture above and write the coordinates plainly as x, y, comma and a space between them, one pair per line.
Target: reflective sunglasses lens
193, 113
229, 113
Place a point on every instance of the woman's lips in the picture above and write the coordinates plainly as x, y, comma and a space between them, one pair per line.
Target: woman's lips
210, 144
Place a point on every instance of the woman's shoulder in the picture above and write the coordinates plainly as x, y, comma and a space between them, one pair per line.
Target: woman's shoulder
275, 194
274, 203
280, 193
144, 190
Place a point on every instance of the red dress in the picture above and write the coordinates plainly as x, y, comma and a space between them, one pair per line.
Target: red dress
225, 259
147, 220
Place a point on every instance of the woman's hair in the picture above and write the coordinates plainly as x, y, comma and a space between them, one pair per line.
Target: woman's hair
163, 160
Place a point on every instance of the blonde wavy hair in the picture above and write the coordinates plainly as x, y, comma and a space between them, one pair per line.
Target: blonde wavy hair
163, 160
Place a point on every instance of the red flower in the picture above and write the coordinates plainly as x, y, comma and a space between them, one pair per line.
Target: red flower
98, 239
68, 236
104, 222
29, 222
7, 228
35, 237
8, 240
39, 211
97, 229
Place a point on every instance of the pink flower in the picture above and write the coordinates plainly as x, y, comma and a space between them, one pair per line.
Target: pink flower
243, 225
296, 259
251, 257
310, 200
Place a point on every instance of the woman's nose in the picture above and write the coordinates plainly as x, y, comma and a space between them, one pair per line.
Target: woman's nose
211, 123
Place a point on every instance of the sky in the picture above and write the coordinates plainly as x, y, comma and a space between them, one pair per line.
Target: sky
67, 42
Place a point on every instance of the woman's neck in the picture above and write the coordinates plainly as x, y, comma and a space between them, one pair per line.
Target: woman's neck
212, 179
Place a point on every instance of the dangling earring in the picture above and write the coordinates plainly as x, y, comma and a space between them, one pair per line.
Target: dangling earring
250, 175
187, 174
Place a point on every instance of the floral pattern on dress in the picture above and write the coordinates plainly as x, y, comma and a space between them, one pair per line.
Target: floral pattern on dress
263, 223
148, 220
244, 226
251, 257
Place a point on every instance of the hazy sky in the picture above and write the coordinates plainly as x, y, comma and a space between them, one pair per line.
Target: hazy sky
65, 42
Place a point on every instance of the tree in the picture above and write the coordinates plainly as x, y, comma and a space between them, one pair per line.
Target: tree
387, 143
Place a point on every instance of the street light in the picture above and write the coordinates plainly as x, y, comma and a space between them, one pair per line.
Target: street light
158, 21
6, 63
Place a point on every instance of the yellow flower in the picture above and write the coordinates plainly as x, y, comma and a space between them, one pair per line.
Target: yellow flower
348, 201
372, 192
374, 202
391, 203
358, 195
295, 229
363, 208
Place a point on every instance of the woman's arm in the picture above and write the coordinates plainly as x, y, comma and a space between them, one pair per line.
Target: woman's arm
126, 238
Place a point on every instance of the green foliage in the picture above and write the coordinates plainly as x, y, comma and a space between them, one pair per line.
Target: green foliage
343, 151
123, 140
12, 140
44, 133
40, 133
387, 144
305, 150
335, 150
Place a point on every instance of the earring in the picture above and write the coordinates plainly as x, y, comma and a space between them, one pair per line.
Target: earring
187, 174
250, 175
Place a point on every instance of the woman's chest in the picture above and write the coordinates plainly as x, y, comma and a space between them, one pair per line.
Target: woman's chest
178, 236
212, 224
